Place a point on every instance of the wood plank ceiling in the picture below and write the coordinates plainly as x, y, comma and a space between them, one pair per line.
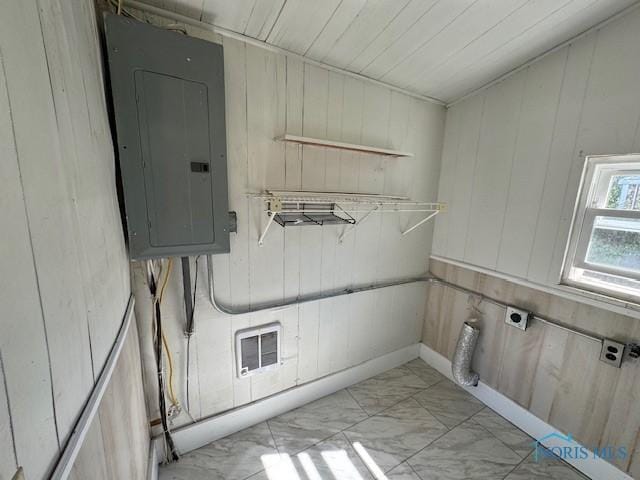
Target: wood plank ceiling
442, 49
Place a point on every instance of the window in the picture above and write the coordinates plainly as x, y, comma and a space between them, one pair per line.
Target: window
258, 349
603, 253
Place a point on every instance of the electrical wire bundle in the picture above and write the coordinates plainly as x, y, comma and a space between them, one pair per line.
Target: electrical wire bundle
160, 341
190, 330
121, 10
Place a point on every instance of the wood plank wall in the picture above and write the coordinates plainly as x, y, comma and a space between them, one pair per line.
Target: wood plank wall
555, 375
268, 94
511, 166
117, 444
64, 281
514, 153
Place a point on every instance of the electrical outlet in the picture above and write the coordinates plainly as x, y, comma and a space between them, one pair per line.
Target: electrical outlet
612, 352
634, 350
517, 318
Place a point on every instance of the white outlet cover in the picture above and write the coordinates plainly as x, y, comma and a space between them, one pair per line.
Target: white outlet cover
612, 352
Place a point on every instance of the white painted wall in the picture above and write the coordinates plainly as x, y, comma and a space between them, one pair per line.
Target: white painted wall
513, 153
267, 95
64, 280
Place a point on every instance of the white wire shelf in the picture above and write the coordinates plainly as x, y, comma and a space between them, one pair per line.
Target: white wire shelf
342, 146
337, 207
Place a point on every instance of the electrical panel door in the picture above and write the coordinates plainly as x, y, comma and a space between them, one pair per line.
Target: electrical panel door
168, 98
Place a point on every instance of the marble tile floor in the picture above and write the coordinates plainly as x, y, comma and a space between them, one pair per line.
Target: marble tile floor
408, 423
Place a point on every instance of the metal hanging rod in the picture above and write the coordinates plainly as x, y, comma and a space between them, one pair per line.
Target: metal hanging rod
230, 310
324, 210
339, 197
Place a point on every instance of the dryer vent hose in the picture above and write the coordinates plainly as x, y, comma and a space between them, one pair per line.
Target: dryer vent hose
461, 365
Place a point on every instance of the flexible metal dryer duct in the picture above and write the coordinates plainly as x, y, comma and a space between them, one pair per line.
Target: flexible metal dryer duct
461, 364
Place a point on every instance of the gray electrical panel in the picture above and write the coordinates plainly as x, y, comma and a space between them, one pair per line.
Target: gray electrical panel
168, 99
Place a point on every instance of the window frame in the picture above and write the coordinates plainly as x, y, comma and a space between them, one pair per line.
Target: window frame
594, 186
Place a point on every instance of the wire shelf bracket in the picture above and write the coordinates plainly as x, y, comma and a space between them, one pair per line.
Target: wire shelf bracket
289, 208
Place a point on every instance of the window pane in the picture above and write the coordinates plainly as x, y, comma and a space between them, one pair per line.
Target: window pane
615, 243
624, 192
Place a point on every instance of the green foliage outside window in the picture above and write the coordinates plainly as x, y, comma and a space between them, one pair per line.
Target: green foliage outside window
616, 248
631, 200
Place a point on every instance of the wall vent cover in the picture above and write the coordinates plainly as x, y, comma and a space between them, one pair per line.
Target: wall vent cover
258, 349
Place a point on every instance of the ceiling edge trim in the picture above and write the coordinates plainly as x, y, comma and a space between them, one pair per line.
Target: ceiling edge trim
258, 43
539, 57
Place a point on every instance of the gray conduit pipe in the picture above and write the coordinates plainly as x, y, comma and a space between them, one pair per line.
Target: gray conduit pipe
461, 364
228, 310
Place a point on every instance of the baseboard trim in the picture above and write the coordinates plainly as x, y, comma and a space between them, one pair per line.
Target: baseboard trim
522, 418
199, 434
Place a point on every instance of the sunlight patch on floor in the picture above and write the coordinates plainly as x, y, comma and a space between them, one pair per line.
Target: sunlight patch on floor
309, 467
373, 467
279, 467
303, 467
340, 465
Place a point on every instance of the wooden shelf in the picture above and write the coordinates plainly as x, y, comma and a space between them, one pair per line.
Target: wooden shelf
342, 146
